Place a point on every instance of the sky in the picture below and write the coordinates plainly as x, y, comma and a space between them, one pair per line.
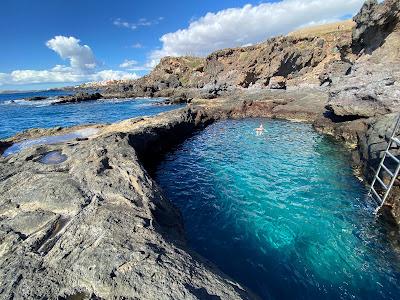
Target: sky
52, 43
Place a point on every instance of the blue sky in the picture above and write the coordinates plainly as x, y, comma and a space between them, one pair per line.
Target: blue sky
121, 31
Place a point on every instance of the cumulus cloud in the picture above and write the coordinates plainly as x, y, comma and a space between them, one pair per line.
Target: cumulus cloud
55, 75
113, 75
80, 57
250, 24
82, 67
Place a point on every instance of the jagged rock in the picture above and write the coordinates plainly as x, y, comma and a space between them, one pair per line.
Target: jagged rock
298, 58
37, 98
277, 83
181, 99
333, 70
78, 97
373, 86
374, 23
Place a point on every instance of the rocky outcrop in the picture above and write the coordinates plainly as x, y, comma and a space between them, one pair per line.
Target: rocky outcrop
297, 59
96, 225
333, 70
372, 86
277, 83
76, 98
374, 23
37, 98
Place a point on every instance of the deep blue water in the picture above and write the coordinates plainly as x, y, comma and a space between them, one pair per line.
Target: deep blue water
281, 213
20, 115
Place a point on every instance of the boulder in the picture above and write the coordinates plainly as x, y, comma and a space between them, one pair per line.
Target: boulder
277, 83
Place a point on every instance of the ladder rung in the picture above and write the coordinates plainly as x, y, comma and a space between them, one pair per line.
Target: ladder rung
381, 182
392, 156
396, 140
387, 170
376, 194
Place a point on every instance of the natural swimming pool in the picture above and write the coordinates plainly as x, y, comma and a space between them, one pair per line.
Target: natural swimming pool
281, 213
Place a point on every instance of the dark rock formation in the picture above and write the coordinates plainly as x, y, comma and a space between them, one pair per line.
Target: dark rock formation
78, 97
374, 23
36, 98
372, 87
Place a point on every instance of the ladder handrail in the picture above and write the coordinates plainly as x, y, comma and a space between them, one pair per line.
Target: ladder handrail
382, 165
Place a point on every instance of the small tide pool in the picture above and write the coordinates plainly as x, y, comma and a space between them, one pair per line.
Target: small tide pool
17, 114
281, 213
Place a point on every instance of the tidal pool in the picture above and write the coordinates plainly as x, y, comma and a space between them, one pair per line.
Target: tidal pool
281, 213
50, 140
53, 158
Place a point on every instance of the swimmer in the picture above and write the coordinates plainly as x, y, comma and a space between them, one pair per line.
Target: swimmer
260, 130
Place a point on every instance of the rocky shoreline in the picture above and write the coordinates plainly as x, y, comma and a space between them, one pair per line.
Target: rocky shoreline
95, 224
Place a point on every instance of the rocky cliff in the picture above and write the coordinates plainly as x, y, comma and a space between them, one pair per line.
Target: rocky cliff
299, 58
372, 85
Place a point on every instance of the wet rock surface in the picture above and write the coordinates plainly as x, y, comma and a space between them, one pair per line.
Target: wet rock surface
37, 98
78, 97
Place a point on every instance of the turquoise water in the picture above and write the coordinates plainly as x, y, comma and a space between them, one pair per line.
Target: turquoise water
281, 213
17, 115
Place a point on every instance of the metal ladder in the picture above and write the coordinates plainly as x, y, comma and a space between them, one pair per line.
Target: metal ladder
392, 175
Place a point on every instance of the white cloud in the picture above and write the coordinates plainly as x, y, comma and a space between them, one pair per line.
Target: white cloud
21, 77
81, 57
119, 23
128, 63
82, 67
250, 24
137, 46
113, 75
132, 65
142, 22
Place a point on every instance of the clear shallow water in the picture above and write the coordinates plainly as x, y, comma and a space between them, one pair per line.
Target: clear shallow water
49, 140
281, 213
17, 115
